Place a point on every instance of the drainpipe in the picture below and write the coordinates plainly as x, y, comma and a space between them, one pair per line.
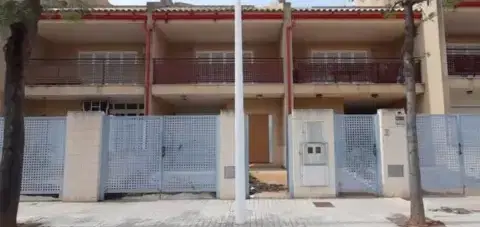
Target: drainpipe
148, 35
288, 54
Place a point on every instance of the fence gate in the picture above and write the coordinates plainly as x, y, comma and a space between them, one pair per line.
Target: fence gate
439, 151
356, 154
134, 153
161, 154
470, 149
189, 157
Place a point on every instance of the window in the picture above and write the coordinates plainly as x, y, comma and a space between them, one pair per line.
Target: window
340, 56
226, 56
107, 67
463, 49
114, 108
126, 109
100, 106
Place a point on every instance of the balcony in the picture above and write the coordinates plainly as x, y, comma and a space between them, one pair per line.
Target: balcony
65, 72
214, 71
335, 70
464, 64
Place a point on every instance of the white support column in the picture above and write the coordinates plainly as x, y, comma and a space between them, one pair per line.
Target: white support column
393, 153
83, 159
240, 177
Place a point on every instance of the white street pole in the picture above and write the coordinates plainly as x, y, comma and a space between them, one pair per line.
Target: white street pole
240, 162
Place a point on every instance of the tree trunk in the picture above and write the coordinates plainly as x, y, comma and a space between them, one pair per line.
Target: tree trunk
14, 131
17, 52
417, 211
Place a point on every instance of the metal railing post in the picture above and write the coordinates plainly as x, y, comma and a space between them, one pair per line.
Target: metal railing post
104, 70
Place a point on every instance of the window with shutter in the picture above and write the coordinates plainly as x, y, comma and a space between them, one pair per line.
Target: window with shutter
339, 56
86, 66
106, 66
222, 56
463, 49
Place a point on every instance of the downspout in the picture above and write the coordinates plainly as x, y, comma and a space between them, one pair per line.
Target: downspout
288, 54
148, 35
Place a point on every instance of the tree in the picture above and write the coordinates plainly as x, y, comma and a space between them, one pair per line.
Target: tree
21, 18
417, 209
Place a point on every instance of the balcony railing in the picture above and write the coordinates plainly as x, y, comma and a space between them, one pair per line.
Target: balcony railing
344, 70
464, 64
197, 70
84, 71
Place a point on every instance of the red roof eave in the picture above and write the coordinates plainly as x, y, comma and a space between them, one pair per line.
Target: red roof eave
216, 16
348, 15
229, 16
99, 16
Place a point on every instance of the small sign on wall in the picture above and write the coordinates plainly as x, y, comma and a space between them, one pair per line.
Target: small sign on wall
400, 120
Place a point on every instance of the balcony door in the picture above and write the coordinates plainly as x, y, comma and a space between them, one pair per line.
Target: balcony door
218, 66
108, 67
342, 56
222, 56
338, 65
463, 59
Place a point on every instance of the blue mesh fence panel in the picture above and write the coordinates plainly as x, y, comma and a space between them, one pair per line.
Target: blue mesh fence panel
189, 164
44, 153
166, 153
134, 154
470, 139
356, 153
438, 146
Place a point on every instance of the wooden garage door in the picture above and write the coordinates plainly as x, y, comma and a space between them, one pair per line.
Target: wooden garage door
258, 138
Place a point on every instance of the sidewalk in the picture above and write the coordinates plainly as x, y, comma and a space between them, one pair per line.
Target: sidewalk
368, 212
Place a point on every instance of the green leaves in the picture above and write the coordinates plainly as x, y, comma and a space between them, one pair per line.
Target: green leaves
451, 4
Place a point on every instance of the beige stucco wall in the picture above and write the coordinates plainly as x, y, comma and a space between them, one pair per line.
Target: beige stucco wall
464, 103
430, 44
471, 39
83, 159
51, 107
65, 50
393, 151
161, 107
377, 50
335, 104
226, 155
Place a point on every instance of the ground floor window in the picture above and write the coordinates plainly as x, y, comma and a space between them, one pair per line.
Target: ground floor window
115, 108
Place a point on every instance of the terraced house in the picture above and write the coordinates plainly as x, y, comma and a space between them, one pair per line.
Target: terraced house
170, 58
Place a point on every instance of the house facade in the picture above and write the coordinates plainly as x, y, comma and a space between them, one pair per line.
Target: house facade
170, 59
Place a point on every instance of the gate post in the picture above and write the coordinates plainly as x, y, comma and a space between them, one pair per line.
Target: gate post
312, 176
226, 156
393, 153
83, 157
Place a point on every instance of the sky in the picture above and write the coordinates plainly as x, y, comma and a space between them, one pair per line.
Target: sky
295, 3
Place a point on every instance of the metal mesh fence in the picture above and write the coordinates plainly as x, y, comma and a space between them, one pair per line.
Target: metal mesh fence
167, 153
44, 153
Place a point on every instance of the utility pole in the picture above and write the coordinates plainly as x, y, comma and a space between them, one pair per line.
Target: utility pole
240, 175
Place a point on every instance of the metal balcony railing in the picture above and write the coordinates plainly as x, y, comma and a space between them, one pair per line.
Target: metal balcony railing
349, 70
84, 71
198, 70
463, 64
